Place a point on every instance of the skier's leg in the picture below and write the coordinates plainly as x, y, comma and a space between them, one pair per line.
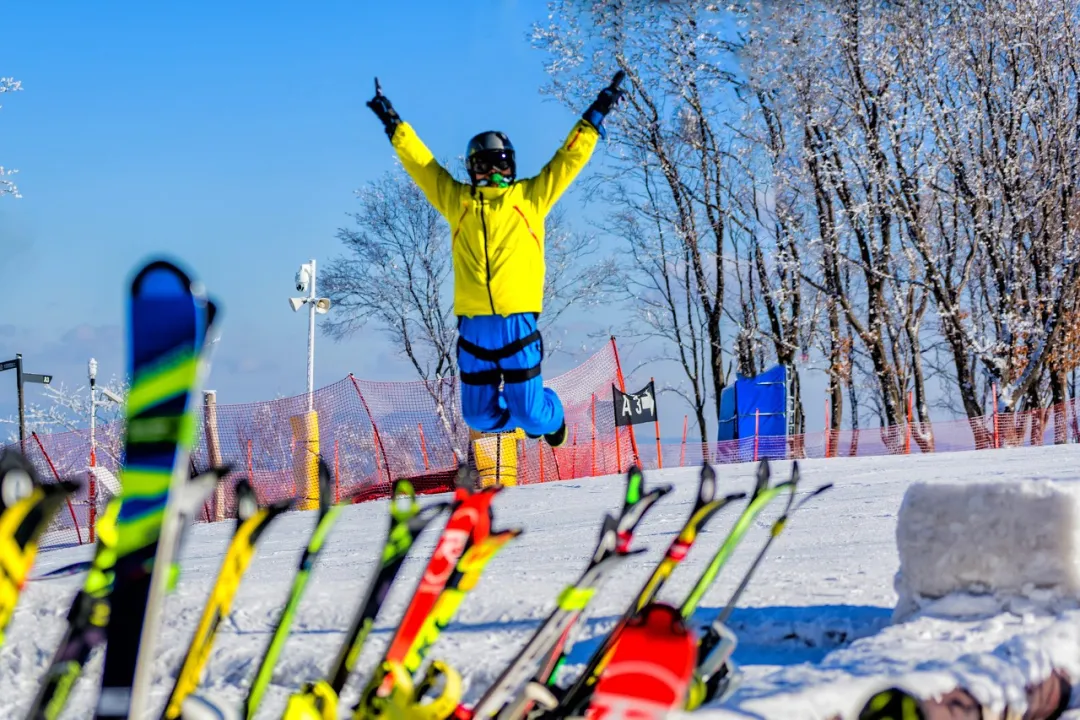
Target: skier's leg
484, 408
535, 409
482, 405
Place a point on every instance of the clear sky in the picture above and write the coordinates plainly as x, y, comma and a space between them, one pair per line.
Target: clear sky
232, 136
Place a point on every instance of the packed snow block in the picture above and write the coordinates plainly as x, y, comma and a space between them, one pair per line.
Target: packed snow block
988, 545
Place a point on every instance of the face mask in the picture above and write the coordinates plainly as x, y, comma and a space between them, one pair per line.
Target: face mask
499, 181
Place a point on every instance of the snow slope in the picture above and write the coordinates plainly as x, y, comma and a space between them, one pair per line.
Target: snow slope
814, 623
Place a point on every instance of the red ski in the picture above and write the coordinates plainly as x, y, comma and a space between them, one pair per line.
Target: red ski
651, 669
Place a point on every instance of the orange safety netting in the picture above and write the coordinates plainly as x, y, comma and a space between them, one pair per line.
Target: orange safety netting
372, 433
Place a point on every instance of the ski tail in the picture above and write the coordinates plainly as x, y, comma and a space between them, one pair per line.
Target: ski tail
470, 519
252, 521
169, 321
465, 577
706, 506
718, 643
407, 522
26, 509
728, 546
327, 515
547, 641
635, 505
651, 668
547, 647
87, 617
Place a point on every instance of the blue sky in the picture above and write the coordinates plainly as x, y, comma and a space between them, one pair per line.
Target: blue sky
232, 136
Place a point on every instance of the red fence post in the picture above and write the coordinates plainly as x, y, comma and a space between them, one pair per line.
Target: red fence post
337, 473
593, 435
379, 447
573, 444
423, 446
78, 532
828, 428
618, 451
907, 427
91, 491
997, 436
622, 387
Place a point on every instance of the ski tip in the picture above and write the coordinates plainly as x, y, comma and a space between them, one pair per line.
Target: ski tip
63, 487
247, 503
161, 277
212, 311
635, 480
16, 484
326, 486
221, 470
707, 483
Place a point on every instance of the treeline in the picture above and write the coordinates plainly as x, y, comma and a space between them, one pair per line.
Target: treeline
885, 188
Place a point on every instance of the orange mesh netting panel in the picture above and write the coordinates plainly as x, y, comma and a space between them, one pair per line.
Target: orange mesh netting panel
372, 433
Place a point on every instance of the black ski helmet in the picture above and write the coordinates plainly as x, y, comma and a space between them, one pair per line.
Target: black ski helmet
491, 149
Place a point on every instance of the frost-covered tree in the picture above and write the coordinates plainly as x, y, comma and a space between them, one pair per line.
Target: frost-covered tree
7, 186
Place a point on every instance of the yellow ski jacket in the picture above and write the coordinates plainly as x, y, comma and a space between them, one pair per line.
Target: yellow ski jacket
497, 234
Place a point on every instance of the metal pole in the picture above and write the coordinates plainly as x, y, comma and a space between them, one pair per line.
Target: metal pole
22, 404
92, 489
311, 342
93, 411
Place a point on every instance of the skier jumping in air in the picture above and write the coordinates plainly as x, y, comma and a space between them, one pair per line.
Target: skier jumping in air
497, 242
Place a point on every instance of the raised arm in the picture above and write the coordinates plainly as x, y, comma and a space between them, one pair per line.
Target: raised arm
546, 188
434, 181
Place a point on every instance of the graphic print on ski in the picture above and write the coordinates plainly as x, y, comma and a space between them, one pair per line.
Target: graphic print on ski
706, 505
407, 698
251, 521
86, 619
505, 696
650, 669
26, 509
168, 325
89, 609
406, 524
327, 514
470, 520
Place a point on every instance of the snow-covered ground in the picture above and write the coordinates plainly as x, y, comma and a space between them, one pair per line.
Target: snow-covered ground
814, 625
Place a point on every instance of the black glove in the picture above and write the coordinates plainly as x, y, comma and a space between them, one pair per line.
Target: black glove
606, 100
380, 105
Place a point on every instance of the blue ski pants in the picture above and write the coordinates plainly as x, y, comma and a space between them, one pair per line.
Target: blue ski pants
494, 350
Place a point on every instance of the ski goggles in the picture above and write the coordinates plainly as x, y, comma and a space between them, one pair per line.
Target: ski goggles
501, 161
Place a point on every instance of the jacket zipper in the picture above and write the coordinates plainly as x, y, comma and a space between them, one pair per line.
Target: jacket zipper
487, 258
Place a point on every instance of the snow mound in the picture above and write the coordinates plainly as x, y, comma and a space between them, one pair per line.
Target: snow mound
980, 547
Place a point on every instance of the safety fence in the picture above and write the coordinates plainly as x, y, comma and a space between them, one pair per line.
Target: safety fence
372, 433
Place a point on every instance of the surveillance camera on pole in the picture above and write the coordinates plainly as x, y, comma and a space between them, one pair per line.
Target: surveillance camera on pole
305, 281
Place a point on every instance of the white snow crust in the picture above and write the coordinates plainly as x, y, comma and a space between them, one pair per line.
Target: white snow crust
1015, 537
815, 624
